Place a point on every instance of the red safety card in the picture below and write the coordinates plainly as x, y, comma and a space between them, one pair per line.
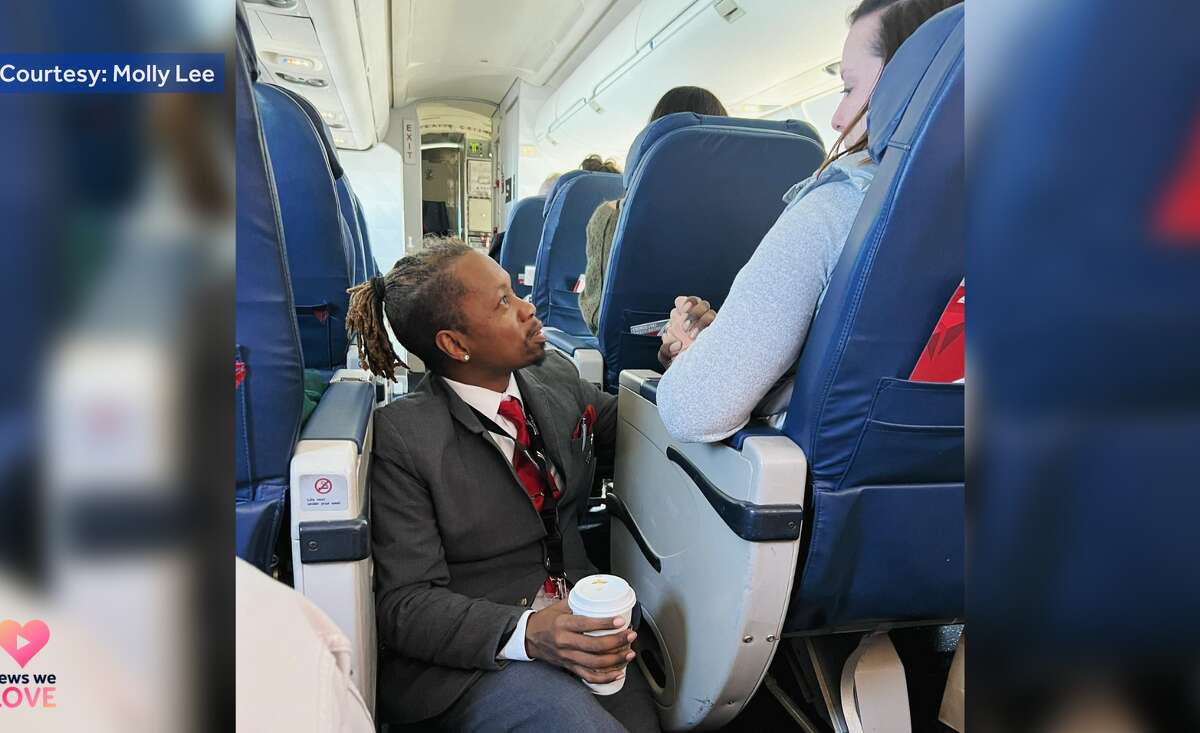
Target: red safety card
943, 357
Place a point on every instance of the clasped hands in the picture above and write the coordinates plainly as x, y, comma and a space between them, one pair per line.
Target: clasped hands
689, 317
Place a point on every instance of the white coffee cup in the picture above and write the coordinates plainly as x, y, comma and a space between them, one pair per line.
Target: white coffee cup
603, 596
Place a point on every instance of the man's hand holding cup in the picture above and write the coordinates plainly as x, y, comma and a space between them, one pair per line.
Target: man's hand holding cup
588, 633
557, 636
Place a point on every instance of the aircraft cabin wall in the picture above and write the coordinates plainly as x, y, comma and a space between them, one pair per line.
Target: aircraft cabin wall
520, 165
746, 58
754, 68
601, 105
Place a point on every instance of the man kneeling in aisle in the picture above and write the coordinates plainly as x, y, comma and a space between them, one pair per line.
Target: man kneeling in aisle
477, 480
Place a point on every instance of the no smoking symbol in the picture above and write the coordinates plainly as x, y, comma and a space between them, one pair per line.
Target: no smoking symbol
323, 486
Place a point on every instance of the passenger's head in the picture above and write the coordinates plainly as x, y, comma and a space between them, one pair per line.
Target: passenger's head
453, 307
688, 99
594, 164
548, 184
877, 28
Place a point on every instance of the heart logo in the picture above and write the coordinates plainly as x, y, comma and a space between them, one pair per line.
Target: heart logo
23, 642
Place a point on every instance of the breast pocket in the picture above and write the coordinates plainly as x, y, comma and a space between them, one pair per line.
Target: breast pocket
582, 466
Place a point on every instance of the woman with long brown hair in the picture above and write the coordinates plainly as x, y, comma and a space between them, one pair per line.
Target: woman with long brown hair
750, 346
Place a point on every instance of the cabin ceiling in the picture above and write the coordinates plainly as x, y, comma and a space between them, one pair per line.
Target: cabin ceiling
476, 50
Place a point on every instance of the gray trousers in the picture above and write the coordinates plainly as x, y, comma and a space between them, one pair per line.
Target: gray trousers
536, 696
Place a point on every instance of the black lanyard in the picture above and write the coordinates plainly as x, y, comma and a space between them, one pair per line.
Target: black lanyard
553, 543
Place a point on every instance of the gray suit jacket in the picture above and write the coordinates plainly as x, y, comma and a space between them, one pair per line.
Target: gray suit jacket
456, 540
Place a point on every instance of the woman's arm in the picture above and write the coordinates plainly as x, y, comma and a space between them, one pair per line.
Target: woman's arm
600, 230
711, 388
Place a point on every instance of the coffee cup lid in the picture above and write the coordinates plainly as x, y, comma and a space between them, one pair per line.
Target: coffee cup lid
597, 595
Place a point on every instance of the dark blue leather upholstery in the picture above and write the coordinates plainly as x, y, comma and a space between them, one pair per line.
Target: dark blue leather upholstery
316, 232
323, 132
1086, 523
568, 343
372, 265
522, 236
562, 255
753, 430
702, 192
558, 184
271, 395
664, 126
886, 455
360, 265
356, 257
344, 414
649, 389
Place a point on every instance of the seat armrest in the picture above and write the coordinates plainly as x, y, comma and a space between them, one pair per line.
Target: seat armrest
582, 350
642, 381
750, 521
738, 439
569, 343
343, 413
329, 519
698, 516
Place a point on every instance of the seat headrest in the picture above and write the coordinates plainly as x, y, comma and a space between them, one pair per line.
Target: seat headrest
562, 180
669, 123
335, 166
526, 207
904, 73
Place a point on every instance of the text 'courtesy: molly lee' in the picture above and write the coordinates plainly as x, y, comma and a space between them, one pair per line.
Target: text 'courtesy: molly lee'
152, 74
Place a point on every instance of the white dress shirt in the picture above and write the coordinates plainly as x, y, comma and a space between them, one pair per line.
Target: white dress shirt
487, 403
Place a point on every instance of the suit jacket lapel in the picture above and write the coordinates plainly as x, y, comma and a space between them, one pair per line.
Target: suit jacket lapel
540, 404
462, 412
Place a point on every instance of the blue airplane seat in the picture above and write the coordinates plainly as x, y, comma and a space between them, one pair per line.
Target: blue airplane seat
701, 193
359, 259
558, 184
562, 256
850, 518
521, 238
269, 366
372, 265
319, 245
356, 258
886, 454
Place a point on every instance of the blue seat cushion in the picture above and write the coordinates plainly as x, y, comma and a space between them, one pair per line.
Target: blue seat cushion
568, 343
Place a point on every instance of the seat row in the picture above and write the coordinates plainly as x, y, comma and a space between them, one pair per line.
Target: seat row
300, 245
699, 192
850, 516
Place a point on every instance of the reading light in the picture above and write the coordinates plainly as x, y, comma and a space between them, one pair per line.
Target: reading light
299, 61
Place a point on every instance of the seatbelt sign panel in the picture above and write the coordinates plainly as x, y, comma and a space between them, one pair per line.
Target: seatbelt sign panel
323, 492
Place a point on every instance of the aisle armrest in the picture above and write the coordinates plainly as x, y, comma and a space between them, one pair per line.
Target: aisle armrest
330, 528
343, 413
698, 516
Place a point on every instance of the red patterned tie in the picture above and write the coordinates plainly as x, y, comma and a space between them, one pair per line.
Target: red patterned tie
526, 470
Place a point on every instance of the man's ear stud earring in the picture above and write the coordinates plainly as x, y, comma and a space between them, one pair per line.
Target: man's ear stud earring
466, 357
